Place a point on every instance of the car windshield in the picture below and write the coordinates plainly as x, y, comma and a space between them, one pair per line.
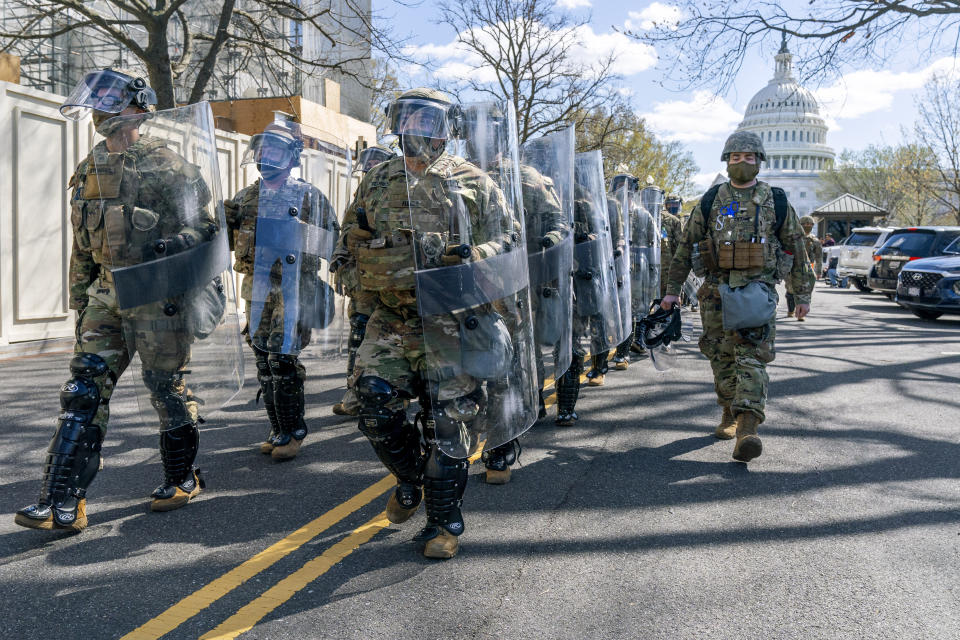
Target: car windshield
913, 242
863, 238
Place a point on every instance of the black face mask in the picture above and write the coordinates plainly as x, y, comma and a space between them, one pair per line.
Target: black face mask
419, 147
270, 174
673, 208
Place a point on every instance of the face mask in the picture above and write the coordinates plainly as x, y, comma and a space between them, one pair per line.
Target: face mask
742, 172
419, 147
673, 208
270, 174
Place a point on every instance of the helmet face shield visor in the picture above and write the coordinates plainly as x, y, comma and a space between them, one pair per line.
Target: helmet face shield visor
105, 91
422, 118
371, 157
269, 149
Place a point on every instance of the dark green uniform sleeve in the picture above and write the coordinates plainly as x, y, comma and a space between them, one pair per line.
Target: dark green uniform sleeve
83, 271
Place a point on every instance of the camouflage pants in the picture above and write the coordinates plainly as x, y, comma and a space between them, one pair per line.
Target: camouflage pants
163, 346
739, 365
270, 332
394, 348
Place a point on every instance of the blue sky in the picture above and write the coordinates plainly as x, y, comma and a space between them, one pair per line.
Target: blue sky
863, 107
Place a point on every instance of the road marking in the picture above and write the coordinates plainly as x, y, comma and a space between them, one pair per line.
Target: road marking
213, 591
249, 615
207, 595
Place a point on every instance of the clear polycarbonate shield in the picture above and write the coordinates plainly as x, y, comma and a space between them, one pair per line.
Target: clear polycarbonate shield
293, 299
596, 304
546, 171
645, 249
663, 353
618, 209
154, 212
472, 286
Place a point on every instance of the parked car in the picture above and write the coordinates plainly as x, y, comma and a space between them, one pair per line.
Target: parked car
931, 287
856, 255
903, 246
833, 251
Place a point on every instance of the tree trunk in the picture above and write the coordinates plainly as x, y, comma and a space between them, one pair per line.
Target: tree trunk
158, 65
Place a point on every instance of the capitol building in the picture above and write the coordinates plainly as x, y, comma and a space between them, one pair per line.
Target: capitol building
786, 116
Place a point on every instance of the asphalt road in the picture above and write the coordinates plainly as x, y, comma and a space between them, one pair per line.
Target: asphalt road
636, 523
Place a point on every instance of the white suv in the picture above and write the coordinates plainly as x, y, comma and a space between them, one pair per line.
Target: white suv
856, 256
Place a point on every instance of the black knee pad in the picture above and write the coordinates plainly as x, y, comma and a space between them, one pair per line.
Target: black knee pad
166, 397
444, 481
395, 441
358, 329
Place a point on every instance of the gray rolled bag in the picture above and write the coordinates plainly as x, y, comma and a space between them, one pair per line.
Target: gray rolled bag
748, 307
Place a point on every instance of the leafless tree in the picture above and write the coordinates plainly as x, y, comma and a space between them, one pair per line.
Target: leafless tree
707, 42
938, 128
199, 44
535, 54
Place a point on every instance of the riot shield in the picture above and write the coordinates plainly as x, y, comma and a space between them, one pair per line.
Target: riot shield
618, 209
596, 305
467, 233
645, 249
155, 214
296, 231
546, 171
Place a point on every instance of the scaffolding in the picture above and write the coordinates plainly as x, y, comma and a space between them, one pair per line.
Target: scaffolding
57, 63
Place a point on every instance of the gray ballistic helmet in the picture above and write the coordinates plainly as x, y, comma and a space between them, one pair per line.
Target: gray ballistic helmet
743, 142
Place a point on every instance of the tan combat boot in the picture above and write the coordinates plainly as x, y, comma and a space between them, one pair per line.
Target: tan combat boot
170, 497
497, 476
411, 495
266, 447
727, 428
341, 409
748, 444
42, 517
444, 546
286, 451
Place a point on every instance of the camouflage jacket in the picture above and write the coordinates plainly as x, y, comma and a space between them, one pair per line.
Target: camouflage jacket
779, 250
255, 200
453, 202
670, 233
542, 212
814, 253
123, 202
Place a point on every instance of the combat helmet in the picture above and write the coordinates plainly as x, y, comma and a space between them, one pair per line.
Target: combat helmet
279, 146
661, 327
743, 142
621, 179
807, 221
372, 156
109, 91
422, 112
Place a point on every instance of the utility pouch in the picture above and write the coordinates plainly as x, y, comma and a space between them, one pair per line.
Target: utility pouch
103, 177
385, 269
784, 264
114, 228
748, 307
747, 255
708, 256
725, 256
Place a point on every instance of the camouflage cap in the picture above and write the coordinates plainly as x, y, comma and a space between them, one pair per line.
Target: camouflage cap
807, 220
743, 142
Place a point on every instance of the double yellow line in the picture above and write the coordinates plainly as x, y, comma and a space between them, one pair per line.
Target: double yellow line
249, 615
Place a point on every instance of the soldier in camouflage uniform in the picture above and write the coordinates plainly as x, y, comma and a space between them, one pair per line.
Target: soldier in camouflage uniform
393, 354
621, 358
742, 219
277, 152
670, 232
814, 253
123, 211
361, 304
545, 228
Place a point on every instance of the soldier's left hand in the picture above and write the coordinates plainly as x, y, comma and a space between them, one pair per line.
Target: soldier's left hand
802, 310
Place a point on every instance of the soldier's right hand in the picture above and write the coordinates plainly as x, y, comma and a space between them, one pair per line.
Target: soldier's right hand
356, 235
668, 301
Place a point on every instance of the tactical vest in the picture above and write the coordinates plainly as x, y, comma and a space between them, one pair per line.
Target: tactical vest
395, 211
118, 206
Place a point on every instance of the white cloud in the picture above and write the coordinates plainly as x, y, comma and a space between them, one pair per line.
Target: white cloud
656, 14
703, 118
862, 92
702, 181
574, 4
454, 60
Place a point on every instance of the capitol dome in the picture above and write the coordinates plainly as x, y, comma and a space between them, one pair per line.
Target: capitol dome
787, 117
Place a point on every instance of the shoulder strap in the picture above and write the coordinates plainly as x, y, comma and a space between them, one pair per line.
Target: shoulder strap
780, 208
706, 202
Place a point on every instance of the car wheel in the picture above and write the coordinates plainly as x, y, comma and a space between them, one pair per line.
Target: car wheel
861, 285
926, 314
